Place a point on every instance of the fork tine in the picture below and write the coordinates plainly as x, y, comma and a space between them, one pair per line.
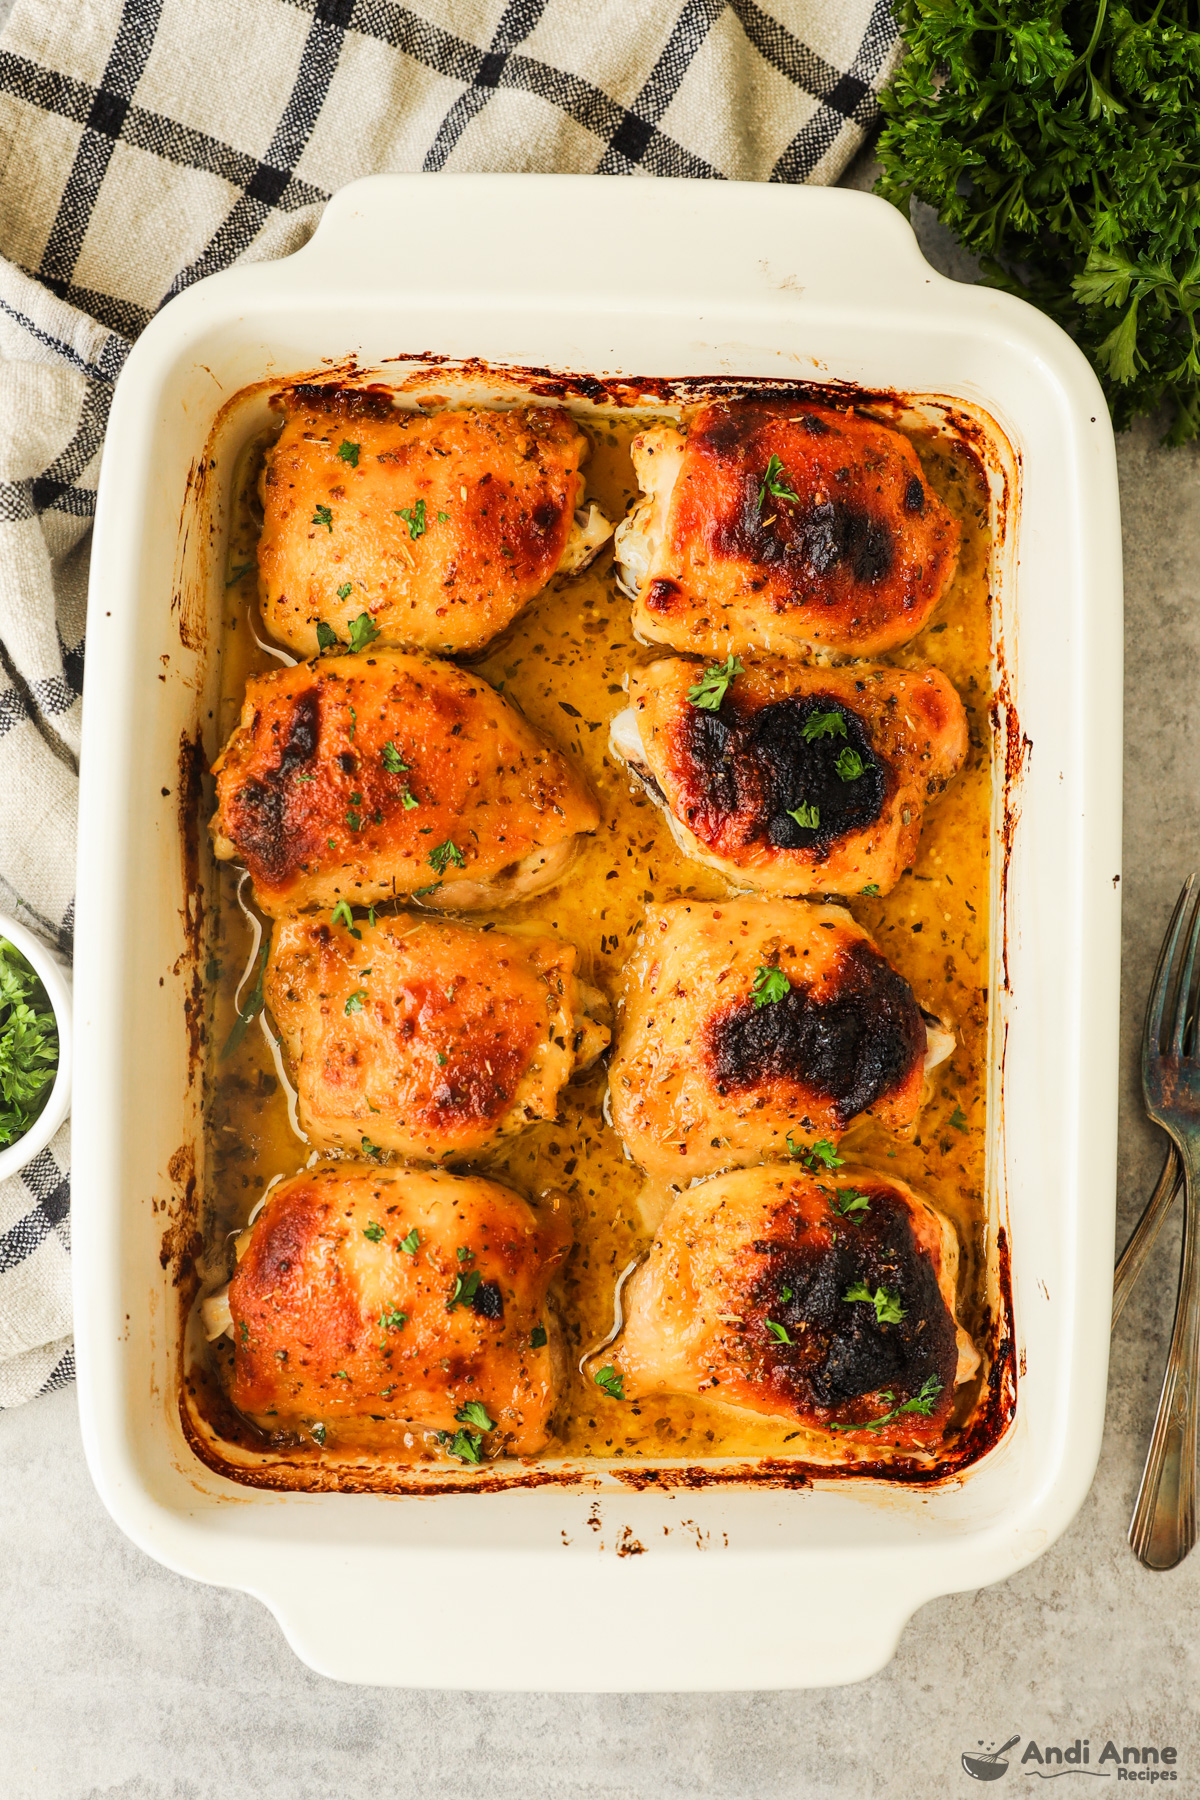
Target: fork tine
1183, 997
1161, 985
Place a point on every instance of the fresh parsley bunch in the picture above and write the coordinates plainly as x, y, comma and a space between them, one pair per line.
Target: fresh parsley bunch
28, 1045
1061, 143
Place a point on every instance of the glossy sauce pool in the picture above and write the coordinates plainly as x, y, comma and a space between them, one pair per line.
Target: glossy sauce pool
563, 663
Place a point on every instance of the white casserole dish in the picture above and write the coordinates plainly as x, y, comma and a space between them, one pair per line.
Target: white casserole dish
702, 280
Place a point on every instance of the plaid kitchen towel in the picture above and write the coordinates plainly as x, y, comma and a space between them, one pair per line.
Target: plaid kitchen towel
147, 143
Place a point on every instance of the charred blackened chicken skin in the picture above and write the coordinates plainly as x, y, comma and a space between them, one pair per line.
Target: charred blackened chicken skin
754, 1028
796, 781
784, 527
426, 1038
827, 1300
440, 527
358, 778
398, 1295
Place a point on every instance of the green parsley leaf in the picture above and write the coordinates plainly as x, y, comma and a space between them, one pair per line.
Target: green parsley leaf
409, 799
785, 1294
323, 516
538, 1338
464, 1254
251, 1006
888, 1310
774, 482
808, 817
353, 729
375, 1232
349, 453
392, 1319
442, 1059
443, 855
958, 1119
363, 631
612, 1383
393, 762
823, 725
370, 1149
921, 1402
466, 1445
474, 1412
411, 1243
345, 590
442, 517
849, 1201
870, 891
414, 518
464, 1290
777, 1331
341, 915
769, 986
354, 1001
817, 1157
850, 764
327, 637
714, 684
317, 1432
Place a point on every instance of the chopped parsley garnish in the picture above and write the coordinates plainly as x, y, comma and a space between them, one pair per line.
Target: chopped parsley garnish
414, 518
474, 1412
251, 1006
349, 453
443, 855
816, 1157
363, 631
411, 1243
466, 1445
538, 1338
777, 1331
785, 1294
442, 517
464, 1254
355, 1000
464, 1290
808, 817
341, 915
769, 985
392, 1319
774, 482
327, 637
888, 1310
410, 800
374, 1231
345, 590
353, 820
612, 1384
921, 1402
323, 516
370, 1149
849, 1201
870, 891
442, 1059
823, 725
850, 764
958, 1119
353, 729
317, 1432
393, 762
714, 684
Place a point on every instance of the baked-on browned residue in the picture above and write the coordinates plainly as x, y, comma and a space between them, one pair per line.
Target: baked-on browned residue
564, 662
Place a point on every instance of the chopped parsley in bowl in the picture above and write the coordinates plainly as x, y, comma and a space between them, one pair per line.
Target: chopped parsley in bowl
29, 1046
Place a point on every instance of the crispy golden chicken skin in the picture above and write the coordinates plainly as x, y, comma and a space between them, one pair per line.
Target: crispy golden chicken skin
783, 527
426, 1038
399, 1294
748, 1022
356, 778
824, 1300
442, 527
802, 781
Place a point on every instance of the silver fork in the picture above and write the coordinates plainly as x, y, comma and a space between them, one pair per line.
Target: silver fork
1136, 1253
1163, 1527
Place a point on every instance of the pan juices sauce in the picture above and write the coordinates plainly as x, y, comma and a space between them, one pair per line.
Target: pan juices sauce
563, 663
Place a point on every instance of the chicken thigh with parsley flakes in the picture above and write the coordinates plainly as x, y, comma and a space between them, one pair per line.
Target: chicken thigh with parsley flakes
427, 1038
796, 781
755, 1028
778, 526
355, 779
826, 1300
393, 1294
441, 527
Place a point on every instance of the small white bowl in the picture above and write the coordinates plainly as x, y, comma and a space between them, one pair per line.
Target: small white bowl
55, 977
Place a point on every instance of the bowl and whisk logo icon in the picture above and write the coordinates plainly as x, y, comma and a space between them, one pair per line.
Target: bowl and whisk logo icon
988, 1765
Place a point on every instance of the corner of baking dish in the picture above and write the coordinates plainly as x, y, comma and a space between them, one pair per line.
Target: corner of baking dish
703, 279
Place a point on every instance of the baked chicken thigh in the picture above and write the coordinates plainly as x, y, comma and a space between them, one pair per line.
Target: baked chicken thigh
754, 1028
358, 778
423, 1037
777, 526
828, 1301
797, 781
397, 1295
441, 527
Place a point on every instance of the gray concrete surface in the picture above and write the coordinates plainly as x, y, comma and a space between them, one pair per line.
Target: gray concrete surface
119, 1680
